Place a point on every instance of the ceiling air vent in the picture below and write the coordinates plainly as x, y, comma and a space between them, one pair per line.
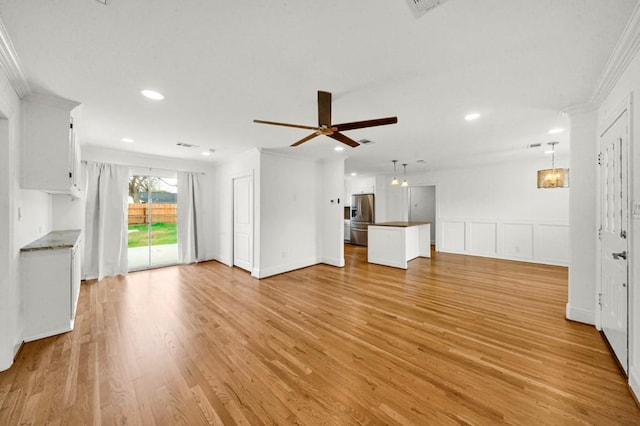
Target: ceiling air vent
420, 7
186, 145
534, 145
365, 142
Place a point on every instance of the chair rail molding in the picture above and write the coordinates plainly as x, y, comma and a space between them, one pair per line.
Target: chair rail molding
626, 48
11, 65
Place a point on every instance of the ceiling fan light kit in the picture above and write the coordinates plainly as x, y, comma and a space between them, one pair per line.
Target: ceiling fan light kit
553, 177
325, 127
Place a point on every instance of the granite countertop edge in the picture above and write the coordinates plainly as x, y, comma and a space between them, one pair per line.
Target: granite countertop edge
54, 240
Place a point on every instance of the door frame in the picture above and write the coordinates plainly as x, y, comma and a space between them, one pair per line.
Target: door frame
625, 105
438, 224
436, 210
250, 174
157, 173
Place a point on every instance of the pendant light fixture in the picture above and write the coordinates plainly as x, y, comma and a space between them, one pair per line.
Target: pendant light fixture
553, 177
404, 182
395, 179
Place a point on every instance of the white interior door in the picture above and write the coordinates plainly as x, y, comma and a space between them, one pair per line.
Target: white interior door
614, 228
243, 222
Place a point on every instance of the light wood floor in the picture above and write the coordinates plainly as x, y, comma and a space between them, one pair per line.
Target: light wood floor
453, 340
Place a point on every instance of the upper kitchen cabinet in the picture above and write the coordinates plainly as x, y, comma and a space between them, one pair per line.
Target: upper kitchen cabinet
50, 152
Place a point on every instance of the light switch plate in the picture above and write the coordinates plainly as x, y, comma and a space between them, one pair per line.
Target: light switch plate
635, 209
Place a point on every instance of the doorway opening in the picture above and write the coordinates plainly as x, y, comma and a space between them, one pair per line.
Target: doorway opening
422, 207
153, 221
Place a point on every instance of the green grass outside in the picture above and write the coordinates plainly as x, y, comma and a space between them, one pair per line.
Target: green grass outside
161, 233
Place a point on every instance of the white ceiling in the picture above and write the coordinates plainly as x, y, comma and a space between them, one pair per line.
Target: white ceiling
222, 64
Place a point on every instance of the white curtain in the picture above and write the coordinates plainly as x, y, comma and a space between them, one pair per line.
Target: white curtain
106, 223
190, 240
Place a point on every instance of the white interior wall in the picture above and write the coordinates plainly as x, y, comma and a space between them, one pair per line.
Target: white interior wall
629, 85
245, 164
332, 207
493, 211
16, 229
290, 213
396, 205
7, 281
581, 301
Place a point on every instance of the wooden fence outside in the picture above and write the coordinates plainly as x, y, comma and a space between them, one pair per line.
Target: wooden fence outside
160, 213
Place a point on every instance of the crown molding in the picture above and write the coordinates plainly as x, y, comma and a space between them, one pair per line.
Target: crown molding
627, 47
578, 109
51, 100
11, 65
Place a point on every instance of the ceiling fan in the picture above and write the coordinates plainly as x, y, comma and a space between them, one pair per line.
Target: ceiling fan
332, 130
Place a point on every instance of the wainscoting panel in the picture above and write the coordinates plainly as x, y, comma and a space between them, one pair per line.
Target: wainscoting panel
517, 240
453, 236
483, 238
524, 240
554, 243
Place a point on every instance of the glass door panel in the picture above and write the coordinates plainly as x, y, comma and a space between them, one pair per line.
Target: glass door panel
164, 221
152, 238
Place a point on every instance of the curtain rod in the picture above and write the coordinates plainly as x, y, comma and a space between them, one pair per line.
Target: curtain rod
149, 168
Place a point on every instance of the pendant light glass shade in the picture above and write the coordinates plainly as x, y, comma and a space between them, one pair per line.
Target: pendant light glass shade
395, 179
404, 182
553, 177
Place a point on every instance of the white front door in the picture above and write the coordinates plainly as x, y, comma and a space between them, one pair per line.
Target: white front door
614, 229
243, 222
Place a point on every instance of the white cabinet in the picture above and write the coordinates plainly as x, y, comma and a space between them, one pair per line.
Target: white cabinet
50, 278
50, 153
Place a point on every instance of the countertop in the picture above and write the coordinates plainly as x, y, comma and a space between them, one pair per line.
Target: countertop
54, 240
400, 224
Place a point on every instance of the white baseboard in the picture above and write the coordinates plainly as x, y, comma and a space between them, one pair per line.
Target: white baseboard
585, 316
333, 261
32, 337
280, 269
516, 259
6, 362
634, 382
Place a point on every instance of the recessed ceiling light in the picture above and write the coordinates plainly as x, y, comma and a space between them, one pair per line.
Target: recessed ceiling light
152, 94
127, 140
472, 116
207, 153
556, 130
354, 174
338, 148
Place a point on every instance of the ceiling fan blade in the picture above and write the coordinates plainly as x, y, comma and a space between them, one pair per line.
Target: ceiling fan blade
345, 140
324, 108
303, 140
366, 123
285, 124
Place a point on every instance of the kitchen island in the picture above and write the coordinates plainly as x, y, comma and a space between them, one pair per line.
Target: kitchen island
395, 243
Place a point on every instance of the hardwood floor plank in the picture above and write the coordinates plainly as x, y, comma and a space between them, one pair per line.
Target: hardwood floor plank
452, 340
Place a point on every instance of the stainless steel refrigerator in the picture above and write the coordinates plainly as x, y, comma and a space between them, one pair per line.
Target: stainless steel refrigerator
362, 215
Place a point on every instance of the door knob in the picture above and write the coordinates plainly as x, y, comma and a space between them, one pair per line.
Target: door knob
622, 255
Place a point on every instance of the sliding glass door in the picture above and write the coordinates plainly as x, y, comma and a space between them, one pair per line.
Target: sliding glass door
153, 221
